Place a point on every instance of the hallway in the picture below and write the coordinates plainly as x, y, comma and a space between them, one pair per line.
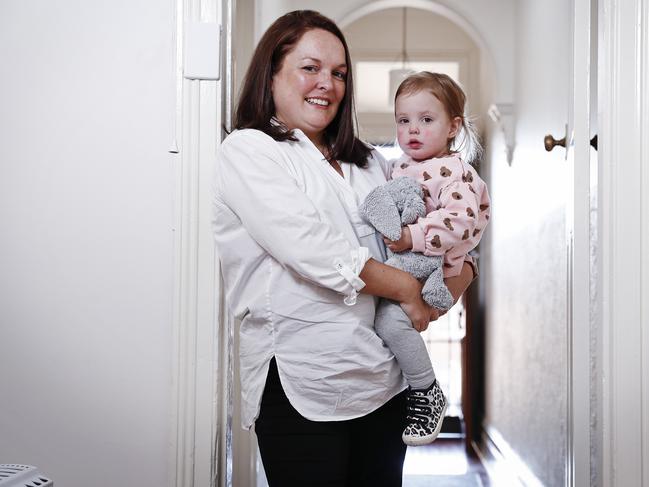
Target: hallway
444, 463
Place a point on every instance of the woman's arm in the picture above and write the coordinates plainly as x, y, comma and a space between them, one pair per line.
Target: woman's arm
389, 282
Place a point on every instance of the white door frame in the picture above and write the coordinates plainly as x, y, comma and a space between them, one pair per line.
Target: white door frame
201, 420
578, 247
619, 438
624, 240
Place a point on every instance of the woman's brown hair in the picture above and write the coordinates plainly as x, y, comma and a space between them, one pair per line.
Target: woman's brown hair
256, 107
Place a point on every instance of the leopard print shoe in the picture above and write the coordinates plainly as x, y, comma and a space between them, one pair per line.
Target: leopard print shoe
426, 410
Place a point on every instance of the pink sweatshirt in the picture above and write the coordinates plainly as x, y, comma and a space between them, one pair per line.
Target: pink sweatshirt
457, 207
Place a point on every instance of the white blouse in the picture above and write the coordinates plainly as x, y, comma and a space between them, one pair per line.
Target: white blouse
292, 245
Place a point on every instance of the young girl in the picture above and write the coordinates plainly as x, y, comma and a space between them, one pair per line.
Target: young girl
431, 131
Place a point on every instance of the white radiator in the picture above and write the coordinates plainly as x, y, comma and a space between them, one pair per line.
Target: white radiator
13, 475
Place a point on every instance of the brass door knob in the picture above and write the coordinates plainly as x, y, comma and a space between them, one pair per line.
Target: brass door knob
550, 142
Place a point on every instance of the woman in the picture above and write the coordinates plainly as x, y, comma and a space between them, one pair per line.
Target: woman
302, 270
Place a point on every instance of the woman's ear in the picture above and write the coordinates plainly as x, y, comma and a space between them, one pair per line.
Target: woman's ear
456, 123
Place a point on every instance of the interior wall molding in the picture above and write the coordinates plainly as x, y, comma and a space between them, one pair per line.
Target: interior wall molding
201, 423
431, 6
497, 69
578, 245
644, 129
624, 211
503, 115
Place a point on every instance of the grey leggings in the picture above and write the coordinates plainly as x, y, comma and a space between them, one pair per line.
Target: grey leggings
395, 329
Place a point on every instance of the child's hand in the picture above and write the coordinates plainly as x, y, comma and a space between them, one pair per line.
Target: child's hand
404, 243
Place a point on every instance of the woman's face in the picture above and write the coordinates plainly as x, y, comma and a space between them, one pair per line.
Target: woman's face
308, 88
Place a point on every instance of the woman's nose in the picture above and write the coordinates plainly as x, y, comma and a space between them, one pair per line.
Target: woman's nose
325, 81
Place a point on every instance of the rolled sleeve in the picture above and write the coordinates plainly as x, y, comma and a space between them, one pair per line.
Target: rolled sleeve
351, 271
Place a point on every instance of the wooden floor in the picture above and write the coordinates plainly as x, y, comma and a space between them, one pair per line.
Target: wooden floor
444, 463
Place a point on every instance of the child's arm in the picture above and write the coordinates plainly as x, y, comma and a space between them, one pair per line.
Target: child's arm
452, 225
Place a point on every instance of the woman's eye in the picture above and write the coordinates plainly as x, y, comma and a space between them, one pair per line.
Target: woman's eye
310, 69
340, 75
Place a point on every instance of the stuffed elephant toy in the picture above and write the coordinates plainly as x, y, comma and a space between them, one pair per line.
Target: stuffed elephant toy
388, 208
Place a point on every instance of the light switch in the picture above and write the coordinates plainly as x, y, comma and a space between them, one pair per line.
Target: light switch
202, 51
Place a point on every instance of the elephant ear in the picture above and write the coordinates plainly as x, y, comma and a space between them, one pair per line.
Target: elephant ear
380, 211
413, 209
409, 196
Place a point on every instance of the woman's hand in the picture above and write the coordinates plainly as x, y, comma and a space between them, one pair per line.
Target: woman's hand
400, 286
420, 322
419, 312
404, 243
456, 285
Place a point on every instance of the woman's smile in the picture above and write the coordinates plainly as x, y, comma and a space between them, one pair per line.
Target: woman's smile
320, 102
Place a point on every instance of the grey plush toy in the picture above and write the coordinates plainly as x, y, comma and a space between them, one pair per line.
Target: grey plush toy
388, 208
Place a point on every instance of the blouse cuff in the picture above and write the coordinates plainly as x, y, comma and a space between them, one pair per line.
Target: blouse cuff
351, 271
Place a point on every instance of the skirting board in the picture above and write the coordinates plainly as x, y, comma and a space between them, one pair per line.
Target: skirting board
503, 465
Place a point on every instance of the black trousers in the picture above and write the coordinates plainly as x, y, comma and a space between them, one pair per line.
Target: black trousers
361, 452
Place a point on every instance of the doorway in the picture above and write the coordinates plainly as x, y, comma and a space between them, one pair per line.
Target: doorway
507, 307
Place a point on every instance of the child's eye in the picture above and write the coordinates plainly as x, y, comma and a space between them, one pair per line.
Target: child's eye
427, 119
402, 120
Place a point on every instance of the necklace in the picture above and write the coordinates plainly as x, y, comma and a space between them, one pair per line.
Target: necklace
324, 150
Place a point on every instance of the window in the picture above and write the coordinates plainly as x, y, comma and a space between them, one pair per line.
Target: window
374, 78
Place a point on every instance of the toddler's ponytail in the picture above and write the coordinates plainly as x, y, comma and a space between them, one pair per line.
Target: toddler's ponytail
467, 142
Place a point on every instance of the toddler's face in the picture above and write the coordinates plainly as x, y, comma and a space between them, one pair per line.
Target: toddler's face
423, 126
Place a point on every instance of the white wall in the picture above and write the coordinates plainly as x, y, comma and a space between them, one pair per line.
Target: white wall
86, 254
524, 264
